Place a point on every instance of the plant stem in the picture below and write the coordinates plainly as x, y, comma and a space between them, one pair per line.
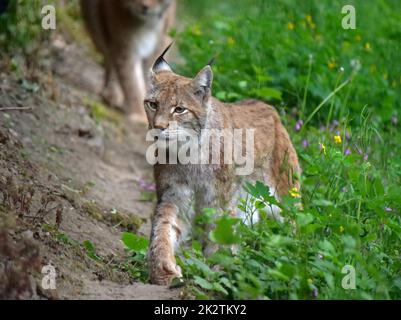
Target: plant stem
332, 102
325, 100
306, 89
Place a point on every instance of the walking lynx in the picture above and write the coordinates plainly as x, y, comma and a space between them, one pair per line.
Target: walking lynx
183, 190
130, 34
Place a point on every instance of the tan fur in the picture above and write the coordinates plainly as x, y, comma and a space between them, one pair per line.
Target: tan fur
130, 35
183, 190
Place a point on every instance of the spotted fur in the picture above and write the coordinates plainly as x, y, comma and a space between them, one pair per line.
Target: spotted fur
184, 190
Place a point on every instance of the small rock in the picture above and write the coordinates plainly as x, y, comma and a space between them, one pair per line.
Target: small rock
27, 235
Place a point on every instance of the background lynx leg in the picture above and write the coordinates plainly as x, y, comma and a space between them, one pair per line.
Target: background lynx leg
130, 75
112, 93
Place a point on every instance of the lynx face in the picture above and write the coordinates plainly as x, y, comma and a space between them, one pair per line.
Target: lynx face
177, 105
147, 8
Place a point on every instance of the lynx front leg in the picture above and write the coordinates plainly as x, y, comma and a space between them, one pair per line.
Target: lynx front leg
112, 93
130, 74
166, 234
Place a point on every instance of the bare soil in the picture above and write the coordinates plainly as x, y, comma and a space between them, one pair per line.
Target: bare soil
69, 173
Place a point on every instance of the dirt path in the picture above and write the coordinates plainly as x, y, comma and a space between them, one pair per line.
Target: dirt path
92, 161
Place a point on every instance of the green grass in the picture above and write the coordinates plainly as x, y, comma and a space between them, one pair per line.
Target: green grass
338, 83
325, 82
19, 25
257, 51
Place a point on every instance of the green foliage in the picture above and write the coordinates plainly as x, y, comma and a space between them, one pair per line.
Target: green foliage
137, 248
20, 24
91, 251
225, 231
350, 216
100, 112
345, 86
147, 196
286, 51
135, 243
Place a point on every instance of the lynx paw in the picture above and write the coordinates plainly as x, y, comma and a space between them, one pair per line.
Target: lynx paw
164, 271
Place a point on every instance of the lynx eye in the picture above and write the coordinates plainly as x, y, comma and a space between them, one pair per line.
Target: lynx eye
180, 110
151, 105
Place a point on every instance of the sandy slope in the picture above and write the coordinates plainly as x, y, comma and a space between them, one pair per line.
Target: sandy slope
80, 161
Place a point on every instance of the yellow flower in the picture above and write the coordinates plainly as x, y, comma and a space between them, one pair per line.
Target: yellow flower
368, 47
358, 38
290, 26
294, 192
310, 281
342, 229
337, 139
332, 64
231, 41
310, 22
323, 147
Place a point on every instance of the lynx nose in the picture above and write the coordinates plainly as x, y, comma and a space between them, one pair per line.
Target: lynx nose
160, 122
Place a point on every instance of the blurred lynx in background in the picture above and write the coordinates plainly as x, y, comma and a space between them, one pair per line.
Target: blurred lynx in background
130, 35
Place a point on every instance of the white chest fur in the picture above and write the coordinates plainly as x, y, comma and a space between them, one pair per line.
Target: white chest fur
146, 40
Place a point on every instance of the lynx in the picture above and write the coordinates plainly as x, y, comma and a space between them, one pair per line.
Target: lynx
183, 190
130, 34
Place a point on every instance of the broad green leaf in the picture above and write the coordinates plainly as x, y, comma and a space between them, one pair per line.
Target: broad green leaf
134, 242
225, 231
203, 283
304, 219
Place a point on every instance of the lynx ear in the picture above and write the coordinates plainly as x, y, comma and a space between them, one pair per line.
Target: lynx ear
161, 64
203, 80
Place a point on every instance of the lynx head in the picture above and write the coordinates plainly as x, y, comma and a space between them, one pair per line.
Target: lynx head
178, 100
145, 9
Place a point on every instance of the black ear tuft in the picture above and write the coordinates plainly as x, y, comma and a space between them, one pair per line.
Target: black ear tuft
212, 61
160, 63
